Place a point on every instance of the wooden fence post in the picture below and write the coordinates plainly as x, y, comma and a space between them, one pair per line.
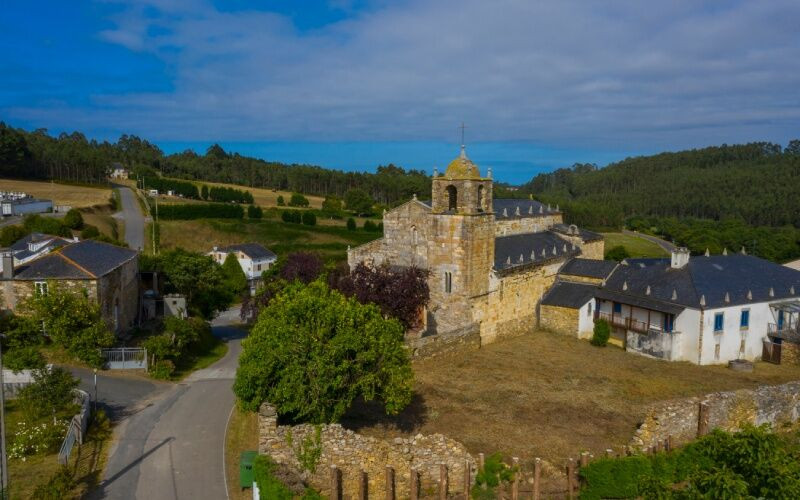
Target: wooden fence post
584, 458
537, 476
481, 459
442, 481
336, 483
702, 420
413, 491
517, 472
363, 486
389, 483
467, 478
668, 443
570, 477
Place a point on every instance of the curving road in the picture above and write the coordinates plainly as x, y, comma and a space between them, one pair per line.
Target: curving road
174, 447
132, 215
666, 245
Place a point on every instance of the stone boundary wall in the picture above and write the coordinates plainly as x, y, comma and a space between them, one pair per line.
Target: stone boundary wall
433, 345
681, 419
352, 453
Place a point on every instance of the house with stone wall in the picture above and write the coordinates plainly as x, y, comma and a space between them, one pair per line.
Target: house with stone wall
107, 273
705, 309
490, 261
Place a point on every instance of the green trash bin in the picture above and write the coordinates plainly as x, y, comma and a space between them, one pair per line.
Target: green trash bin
246, 460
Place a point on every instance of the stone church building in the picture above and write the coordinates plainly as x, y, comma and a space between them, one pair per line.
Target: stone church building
490, 261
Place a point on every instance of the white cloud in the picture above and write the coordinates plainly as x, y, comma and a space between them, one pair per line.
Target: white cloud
646, 74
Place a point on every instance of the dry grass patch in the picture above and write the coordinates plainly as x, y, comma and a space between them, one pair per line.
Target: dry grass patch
266, 197
242, 435
61, 194
549, 395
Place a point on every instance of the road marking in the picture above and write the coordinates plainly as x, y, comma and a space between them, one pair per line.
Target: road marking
224, 444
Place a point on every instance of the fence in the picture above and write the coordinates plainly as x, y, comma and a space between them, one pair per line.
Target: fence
126, 358
77, 427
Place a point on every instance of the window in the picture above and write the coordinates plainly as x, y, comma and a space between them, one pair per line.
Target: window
452, 198
259, 267
744, 322
589, 311
617, 308
669, 322
479, 201
40, 287
448, 282
719, 322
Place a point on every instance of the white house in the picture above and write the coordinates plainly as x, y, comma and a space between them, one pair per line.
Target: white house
703, 309
34, 246
253, 258
118, 171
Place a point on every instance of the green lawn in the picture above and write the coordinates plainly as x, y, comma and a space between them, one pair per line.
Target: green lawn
199, 361
280, 237
636, 246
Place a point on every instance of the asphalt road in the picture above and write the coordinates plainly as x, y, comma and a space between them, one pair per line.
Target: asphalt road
173, 447
134, 220
666, 245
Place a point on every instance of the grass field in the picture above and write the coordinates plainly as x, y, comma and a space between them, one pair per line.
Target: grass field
241, 435
61, 194
636, 246
548, 395
280, 237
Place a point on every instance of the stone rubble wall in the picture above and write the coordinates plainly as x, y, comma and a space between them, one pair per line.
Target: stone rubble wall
729, 411
352, 453
558, 319
468, 338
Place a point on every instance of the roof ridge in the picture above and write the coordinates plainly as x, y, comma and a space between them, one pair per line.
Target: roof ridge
76, 265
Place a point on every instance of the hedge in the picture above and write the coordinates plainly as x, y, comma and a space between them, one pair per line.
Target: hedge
191, 211
183, 188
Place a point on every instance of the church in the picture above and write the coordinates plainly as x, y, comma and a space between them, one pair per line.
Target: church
489, 261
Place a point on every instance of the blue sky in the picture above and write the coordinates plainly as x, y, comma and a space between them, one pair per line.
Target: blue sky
354, 84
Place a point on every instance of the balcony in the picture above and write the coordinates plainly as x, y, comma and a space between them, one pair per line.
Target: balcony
631, 324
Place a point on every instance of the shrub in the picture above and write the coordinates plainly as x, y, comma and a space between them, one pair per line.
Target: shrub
493, 473
162, 369
298, 200
281, 202
369, 226
309, 219
359, 201
351, 224
200, 211
90, 232
228, 194
58, 487
51, 392
34, 439
332, 206
204, 192
73, 219
23, 358
11, 234
254, 212
618, 253
601, 333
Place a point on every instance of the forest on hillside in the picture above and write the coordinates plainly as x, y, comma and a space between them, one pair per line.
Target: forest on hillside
74, 158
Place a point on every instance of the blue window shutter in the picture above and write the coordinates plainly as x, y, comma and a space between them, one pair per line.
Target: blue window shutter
745, 322
718, 322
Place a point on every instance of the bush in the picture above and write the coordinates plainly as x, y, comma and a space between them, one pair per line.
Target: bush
351, 224
58, 487
493, 473
23, 358
51, 392
618, 253
73, 219
255, 212
35, 439
90, 232
601, 333
228, 194
204, 192
298, 200
182, 188
369, 226
11, 234
309, 219
268, 485
281, 202
200, 211
163, 369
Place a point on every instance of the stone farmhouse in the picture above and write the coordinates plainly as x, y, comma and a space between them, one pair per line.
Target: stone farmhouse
253, 258
108, 273
490, 261
34, 246
703, 309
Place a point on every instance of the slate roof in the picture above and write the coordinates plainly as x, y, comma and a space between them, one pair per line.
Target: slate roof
252, 250
22, 243
708, 278
589, 268
583, 233
566, 294
527, 208
87, 259
530, 248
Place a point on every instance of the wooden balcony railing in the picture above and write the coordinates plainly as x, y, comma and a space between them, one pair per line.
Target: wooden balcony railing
631, 324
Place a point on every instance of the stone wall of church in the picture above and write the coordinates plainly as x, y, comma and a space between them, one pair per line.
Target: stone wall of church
509, 309
505, 226
580, 279
559, 319
406, 230
593, 249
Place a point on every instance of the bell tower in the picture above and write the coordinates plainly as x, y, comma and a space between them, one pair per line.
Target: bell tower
461, 245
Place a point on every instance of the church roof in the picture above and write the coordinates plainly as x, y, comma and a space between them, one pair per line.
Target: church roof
589, 268
530, 248
462, 168
571, 295
510, 207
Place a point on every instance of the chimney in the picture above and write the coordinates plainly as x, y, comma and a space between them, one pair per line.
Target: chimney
8, 266
680, 257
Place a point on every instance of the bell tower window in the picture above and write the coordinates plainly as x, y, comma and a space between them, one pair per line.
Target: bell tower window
480, 200
452, 198
448, 282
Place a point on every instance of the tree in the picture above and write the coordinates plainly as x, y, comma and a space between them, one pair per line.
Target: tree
332, 205
199, 278
204, 192
358, 201
11, 234
281, 201
254, 212
298, 200
73, 219
349, 350
618, 253
302, 266
70, 319
234, 275
601, 333
370, 226
215, 151
793, 148
400, 293
89, 232
51, 392
309, 219
351, 224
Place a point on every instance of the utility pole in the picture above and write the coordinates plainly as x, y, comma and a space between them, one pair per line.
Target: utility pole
155, 223
3, 459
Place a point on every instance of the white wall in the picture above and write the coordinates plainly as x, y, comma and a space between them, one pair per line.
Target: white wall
730, 338
586, 320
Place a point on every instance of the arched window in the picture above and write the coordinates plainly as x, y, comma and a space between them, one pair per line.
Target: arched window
480, 200
414, 235
452, 198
